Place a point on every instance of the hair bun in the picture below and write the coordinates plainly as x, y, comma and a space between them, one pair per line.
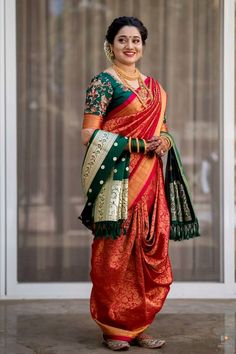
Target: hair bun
122, 21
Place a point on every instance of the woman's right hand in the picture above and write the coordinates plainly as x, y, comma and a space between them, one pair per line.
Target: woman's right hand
152, 144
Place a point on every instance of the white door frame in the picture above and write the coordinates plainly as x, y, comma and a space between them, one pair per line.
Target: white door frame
2, 150
9, 288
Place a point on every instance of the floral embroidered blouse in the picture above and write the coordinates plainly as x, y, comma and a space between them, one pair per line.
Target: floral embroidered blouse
105, 93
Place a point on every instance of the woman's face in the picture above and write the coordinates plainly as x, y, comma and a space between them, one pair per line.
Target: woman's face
127, 46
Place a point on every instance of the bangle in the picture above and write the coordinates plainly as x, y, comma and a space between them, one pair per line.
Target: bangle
133, 145
137, 144
145, 146
130, 144
142, 145
168, 141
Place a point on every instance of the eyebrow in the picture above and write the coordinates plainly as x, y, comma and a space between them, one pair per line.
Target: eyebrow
124, 36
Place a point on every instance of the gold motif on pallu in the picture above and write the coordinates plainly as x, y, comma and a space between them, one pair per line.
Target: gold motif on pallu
178, 203
112, 202
184, 223
105, 174
95, 157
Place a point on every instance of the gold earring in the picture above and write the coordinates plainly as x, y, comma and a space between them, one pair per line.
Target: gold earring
108, 51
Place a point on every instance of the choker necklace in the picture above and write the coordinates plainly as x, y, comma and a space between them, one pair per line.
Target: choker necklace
144, 92
125, 75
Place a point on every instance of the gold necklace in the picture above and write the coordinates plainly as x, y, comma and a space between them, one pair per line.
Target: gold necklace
144, 93
125, 75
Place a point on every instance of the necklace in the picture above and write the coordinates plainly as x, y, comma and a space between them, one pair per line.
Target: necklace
144, 93
125, 75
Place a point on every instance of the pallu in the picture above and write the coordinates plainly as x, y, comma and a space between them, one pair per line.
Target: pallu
131, 273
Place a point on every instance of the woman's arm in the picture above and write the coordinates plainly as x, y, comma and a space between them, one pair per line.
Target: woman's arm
163, 143
86, 135
150, 145
98, 97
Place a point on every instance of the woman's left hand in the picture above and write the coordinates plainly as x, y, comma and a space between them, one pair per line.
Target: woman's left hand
162, 145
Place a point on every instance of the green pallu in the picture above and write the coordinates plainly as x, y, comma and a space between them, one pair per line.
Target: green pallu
184, 223
105, 172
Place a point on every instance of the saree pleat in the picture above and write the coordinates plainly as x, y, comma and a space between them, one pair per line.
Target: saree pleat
132, 275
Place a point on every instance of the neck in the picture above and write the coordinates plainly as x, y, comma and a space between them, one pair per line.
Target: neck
129, 69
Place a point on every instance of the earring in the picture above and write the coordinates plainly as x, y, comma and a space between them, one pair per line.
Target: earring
108, 51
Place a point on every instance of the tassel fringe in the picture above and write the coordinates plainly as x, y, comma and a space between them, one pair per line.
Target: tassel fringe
180, 232
108, 229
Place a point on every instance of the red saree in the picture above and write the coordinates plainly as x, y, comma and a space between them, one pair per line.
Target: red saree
131, 275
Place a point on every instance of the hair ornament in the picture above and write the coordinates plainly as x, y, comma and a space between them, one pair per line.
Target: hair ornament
108, 51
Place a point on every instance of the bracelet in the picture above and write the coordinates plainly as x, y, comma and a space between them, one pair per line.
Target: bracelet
133, 145
142, 145
130, 144
137, 142
145, 146
168, 141
137, 145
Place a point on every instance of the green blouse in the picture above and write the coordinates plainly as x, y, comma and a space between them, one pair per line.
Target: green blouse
104, 94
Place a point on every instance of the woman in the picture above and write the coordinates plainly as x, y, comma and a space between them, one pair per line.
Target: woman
125, 129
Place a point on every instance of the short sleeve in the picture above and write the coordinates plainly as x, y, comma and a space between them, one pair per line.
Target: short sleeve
98, 96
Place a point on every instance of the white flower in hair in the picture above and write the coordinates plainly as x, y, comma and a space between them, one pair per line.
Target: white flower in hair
108, 51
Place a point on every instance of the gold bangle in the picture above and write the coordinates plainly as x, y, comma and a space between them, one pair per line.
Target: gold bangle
137, 142
130, 144
145, 146
168, 142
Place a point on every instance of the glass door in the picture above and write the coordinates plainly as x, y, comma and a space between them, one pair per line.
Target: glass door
54, 48
52, 245
51, 250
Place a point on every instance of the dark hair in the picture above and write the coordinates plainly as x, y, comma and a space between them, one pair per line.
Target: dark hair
120, 22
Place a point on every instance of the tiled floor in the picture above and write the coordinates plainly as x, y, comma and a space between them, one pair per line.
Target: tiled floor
65, 326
